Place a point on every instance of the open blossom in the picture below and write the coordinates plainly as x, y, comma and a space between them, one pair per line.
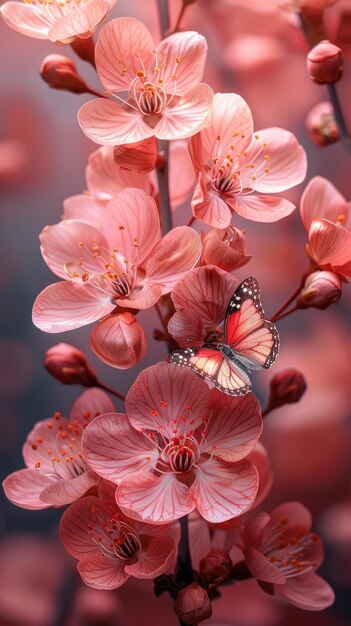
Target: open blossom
60, 21
236, 167
115, 257
56, 472
111, 547
181, 447
283, 554
165, 96
326, 216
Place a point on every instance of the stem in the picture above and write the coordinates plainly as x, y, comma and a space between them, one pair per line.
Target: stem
163, 16
179, 18
184, 556
163, 184
287, 302
286, 313
339, 116
110, 390
191, 221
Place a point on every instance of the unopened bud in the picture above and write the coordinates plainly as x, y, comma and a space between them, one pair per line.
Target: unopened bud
321, 124
215, 567
119, 340
224, 248
321, 289
60, 72
286, 387
325, 63
140, 157
69, 365
193, 604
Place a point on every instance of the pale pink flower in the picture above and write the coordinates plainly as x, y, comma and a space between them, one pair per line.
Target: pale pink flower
56, 472
237, 167
283, 554
326, 216
165, 96
181, 447
109, 546
115, 257
60, 21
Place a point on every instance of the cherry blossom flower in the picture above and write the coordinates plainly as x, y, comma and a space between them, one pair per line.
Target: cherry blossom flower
116, 256
236, 167
109, 546
59, 21
224, 248
165, 96
56, 472
180, 447
282, 553
326, 216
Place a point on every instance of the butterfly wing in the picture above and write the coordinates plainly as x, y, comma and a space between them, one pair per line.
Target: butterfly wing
212, 364
254, 340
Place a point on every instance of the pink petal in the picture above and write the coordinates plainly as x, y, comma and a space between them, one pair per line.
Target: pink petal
253, 530
24, 487
81, 21
153, 560
177, 253
100, 572
106, 123
61, 492
259, 457
167, 398
261, 568
187, 116
261, 208
209, 207
114, 449
23, 19
143, 299
125, 45
183, 56
156, 499
66, 306
74, 528
321, 199
299, 519
234, 427
329, 243
119, 341
91, 403
43, 437
223, 490
85, 209
309, 592
181, 174
287, 161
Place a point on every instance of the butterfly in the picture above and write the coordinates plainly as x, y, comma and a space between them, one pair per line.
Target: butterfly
250, 342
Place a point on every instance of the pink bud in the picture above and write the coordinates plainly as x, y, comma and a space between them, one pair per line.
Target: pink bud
119, 340
321, 289
215, 567
61, 73
325, 63
193, 604
224, 248
286, 387
141, 156
69, 365
321, 124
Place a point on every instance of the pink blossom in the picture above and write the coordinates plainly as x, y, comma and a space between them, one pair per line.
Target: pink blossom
115, 257
180, 447
56, 472
109, 546
224, 248
236, 167
59, 22
282, 553
326, 216
165, 96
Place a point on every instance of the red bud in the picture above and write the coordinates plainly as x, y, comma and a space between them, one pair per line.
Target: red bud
286, 387
321, 289
69, 365
325, 63
60, 72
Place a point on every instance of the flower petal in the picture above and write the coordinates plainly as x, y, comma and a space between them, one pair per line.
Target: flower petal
91, 403
100, 572
261, 568
21, 18
74, 527
329, 243
81, 21
187, 116
299, 518
322, 199
119, 340
181, 173
307, 591
85, 209
65, 306
259, 457
253, 530
24, 487
114, 449
183, 56
261, 208
153, 560
209, 207
143, 299
61, 492
175, 255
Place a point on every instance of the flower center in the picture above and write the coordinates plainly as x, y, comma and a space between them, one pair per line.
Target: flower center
150, 99
115, 538
181, 455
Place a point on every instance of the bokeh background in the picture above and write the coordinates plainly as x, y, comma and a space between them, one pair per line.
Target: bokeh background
43, 153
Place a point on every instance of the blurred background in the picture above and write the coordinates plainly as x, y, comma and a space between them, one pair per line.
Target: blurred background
261, 55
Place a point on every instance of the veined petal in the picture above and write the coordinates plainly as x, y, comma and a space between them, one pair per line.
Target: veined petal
119, 340
24, 487
260, 208
81, 21
175, 255
261, 568
92, 402
143, 299
187, 116
321, 199
85, 209
298, 517
309, 592
100, 572
61, 492
253, 531
209, 207
107, 123
183, 56
329, 243
21, 18
74, 528
153, 560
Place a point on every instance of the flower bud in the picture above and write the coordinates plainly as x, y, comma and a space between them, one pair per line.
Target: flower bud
215, 567
119, 340
69, 365
325, 63
321, 289
321, 124
141, 156
224, 248
60, 72
193, 604
286, 387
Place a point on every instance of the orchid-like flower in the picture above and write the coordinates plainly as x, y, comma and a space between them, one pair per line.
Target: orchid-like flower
236, 167
60, 21
56, 472
165, 97
180, 447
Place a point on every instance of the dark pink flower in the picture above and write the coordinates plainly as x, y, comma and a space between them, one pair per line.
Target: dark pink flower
56, 472
109, 546
180, 447
193, 604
